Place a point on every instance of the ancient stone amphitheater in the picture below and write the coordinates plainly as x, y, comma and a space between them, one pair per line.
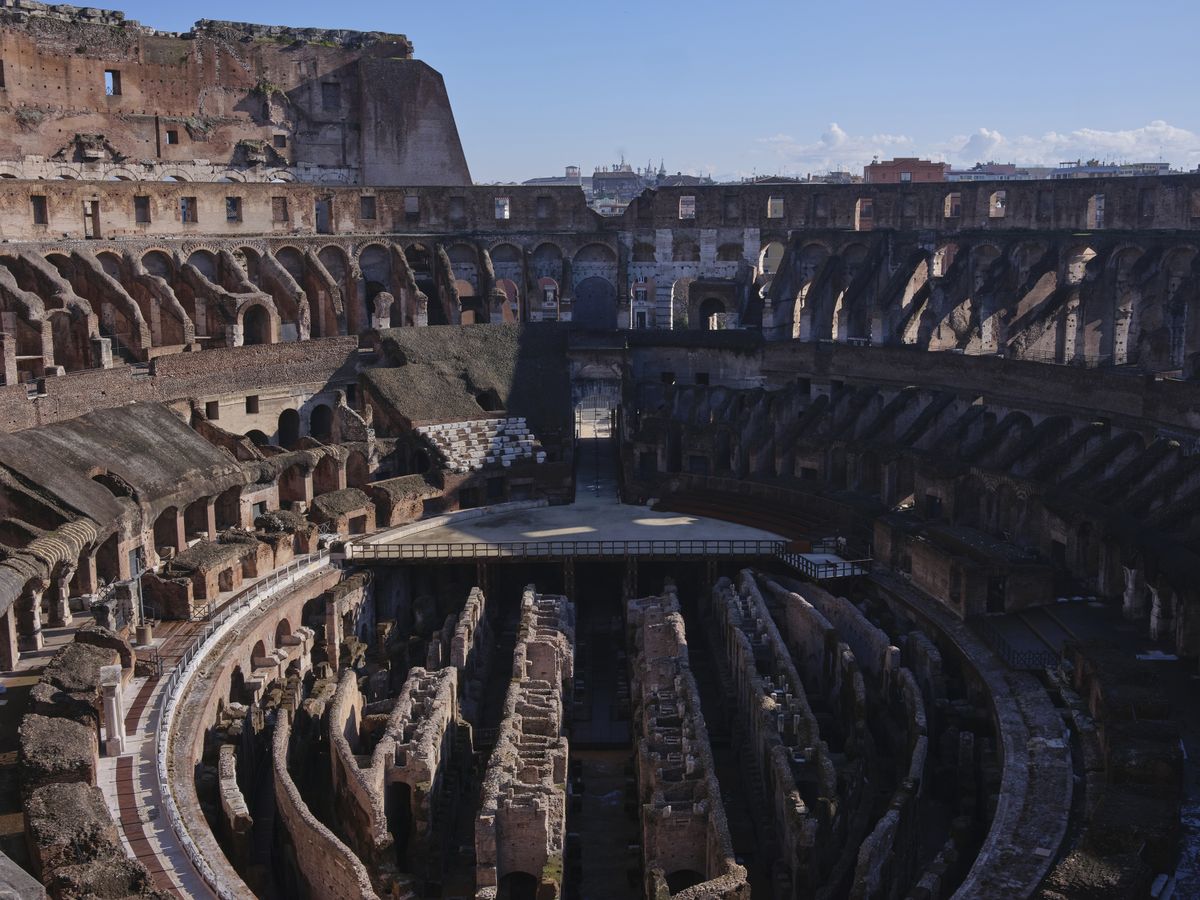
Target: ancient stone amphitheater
366, 533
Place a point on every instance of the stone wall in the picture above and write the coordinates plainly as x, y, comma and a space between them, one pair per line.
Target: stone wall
684, 830
522, 817
329, 868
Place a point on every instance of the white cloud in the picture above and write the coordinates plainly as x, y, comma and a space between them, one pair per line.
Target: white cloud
837, 149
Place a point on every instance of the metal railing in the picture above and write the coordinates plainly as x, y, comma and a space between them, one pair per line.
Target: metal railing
1023, 660
557, 549
250, 598
824, 570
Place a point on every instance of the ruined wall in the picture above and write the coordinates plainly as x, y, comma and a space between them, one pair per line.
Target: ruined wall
329, 868
321, 105
684, 829
522, 817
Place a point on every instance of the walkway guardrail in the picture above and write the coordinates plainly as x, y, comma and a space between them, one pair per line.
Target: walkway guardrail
553, 550
236, 608
1023, 660
824, 570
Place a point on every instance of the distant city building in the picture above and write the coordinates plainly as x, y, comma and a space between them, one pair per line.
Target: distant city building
610, 189
903, 170
1093, 168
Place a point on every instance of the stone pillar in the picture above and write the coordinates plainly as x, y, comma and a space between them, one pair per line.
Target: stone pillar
8, 352
1162, 615
381, 316
1133, 600
60, 602
102, 353
114, 713
30, 616
210, 511
8, 641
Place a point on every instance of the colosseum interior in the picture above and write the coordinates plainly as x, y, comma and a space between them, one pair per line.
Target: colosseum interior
365, 533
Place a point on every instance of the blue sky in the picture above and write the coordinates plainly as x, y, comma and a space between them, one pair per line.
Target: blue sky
785, 87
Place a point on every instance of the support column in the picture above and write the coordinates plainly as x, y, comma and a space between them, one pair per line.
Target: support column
30, 619
8, 352
114, 713
9, 656
60, 603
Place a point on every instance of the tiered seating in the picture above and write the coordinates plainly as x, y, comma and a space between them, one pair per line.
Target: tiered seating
466, 446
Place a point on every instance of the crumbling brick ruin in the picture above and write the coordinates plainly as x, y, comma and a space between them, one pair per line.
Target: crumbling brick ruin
685, 836
521, 829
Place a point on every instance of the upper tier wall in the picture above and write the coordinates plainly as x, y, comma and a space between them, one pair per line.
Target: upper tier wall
1131, 204
85, 86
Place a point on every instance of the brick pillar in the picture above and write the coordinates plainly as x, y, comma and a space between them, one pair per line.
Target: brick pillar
8, 351
29, 614
210, 509
114, 713
60, 602
8, 640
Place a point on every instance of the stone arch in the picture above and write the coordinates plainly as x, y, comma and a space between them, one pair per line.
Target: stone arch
160, 263
320, 423
228, 508
327, 475
167, 531
288, 430
357, 469
595, 253
292, 259
510, 308
283, 631
943, 259
685, 250
375, 265
251, 261
770, 257
546, 261
259, 325
205, 262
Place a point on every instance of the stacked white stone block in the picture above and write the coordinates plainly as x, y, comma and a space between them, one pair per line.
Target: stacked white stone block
467, 446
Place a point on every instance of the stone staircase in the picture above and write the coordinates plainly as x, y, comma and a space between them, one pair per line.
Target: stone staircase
467, 446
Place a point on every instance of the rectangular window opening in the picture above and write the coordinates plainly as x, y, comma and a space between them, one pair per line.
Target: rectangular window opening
212, 410
187, 210
41, 211
331, 95
233, 209
279, 209
279, 141
252, 404
141, 210
687, 207
503, 208
2, 75
775, 208
112, 83
172, 136
412, 208
366, 207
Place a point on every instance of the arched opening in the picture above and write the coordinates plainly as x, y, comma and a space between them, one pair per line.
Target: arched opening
228, 508
685, 251
282, 632
258, 438
195, 519
256, 326
682, 879
205, 263
864, 214
509, 309
292, 260
517, 886
546, 261
289, 429
258, 656
489, 401
293, 484
166, 529
320, 423
952, 205
156, 262
327, 475
644, 253
730, 253
595, 304
357, 470
770, 258
712, 311
237, 686
998, 205
115, 485
108, 563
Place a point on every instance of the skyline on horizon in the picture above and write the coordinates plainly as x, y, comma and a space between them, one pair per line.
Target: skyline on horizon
868, 99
